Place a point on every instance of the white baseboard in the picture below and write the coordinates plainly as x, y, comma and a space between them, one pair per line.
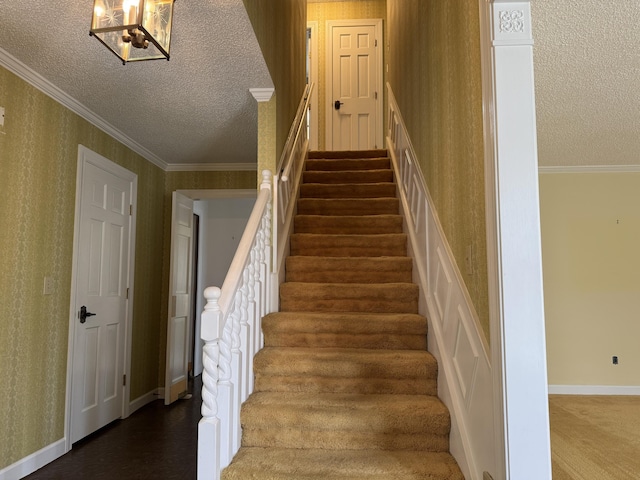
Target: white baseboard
33, 462
593, 390
143, 400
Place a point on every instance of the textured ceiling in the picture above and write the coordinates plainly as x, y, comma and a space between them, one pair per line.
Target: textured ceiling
587, 71
194, 109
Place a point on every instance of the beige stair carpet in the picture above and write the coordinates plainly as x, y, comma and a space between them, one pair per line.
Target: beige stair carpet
345, 388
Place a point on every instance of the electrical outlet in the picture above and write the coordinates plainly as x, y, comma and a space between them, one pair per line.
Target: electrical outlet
48, 285
614, 360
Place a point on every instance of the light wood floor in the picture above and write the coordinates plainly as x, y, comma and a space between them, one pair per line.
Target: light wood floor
595, 437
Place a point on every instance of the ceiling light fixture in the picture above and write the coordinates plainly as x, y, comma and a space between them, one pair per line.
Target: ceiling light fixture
134, 30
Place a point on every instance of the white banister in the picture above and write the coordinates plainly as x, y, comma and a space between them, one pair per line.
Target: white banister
232, 334
232, 318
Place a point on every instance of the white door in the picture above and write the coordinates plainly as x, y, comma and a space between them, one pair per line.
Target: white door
180, 278
101, 281
354, 81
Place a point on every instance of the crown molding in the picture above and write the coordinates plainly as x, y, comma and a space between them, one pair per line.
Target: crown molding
211, 167
590, 169
33, 78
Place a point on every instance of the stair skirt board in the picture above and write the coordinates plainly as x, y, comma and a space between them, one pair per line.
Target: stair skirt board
344, 386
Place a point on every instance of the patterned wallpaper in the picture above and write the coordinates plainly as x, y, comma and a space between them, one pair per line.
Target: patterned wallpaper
280, 26
434, 71
349, 10
38, 159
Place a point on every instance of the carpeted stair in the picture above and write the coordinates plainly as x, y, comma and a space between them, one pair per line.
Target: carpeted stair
344, 388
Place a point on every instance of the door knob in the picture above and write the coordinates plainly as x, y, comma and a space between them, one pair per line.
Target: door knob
84, 314
337, 104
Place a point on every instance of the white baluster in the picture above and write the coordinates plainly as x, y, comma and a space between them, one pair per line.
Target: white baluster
209, 426
245, 335
236, 371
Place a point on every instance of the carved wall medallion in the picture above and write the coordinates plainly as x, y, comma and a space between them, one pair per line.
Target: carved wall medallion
512, 21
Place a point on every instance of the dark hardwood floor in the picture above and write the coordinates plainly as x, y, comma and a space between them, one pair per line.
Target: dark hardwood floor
156, 442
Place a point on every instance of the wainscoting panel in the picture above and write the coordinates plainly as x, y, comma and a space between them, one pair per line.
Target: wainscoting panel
465, 381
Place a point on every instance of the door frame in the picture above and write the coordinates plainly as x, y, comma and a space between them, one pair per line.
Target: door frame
86, 156
365, 22
314, 122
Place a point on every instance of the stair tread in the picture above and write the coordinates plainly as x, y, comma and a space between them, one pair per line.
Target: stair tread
382, 413
345, 362
318, 464
356, 323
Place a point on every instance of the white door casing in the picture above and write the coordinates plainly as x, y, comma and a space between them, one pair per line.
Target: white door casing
99, 353
314, 126
179, 317
354, 85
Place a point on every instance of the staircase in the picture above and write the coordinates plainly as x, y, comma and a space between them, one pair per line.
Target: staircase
344, 388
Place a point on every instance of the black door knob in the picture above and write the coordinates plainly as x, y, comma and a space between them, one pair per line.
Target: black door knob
337, 104
84, 314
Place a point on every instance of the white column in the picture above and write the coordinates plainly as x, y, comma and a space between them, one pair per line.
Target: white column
514, 247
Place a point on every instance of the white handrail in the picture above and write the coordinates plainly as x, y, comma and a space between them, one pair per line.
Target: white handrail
231, 330
288, 154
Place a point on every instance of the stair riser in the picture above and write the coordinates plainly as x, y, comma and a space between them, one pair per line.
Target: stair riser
343, 340
348, 154
352, 177
394, 245
300, 303
348, 270
348, 225
373, 206
313, 384
366, 190
337, 439
349, 165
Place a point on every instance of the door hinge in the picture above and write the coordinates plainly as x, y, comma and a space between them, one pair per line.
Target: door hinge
376, 95
127, 293
130, 210
124, 380
376, 44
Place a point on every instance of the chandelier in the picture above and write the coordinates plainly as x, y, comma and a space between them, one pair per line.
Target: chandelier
134, 30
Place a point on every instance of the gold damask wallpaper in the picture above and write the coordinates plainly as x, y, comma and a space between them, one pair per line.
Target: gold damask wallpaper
38, 161
349, 10
434, 71
280, 27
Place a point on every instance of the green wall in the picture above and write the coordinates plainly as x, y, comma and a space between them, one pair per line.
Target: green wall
434, 72
38, 161
280, 27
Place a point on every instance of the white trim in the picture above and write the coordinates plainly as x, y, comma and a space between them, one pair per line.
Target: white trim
212, 167
38, 81
262, 94
515, 286
377, 23
29, 464
594, 390
456, 339
143, 400
590, 169
314, 124
108, 165
227, 193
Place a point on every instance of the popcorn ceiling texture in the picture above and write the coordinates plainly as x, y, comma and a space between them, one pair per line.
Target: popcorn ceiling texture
587, 70
196, 108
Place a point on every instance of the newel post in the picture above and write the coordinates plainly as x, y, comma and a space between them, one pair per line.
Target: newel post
209, 444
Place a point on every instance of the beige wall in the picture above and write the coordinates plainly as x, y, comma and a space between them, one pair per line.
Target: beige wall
348, 10
38, 160
434, 71
280, 27
590, 247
